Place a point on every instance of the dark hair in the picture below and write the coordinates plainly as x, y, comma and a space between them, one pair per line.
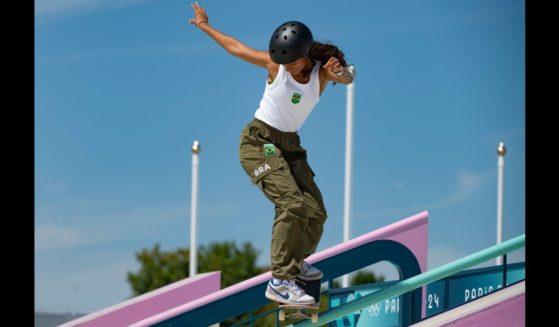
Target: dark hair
322, 52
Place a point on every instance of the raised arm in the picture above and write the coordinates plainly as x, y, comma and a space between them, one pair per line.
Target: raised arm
230, 44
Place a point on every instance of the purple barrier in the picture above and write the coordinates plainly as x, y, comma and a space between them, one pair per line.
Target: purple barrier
152, 303
411, 232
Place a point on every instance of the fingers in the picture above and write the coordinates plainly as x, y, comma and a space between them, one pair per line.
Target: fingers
199, 14
199, 11
197, 7
333, 64
333, 61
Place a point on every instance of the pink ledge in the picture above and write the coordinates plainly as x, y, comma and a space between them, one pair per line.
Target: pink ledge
411, 232
152, 303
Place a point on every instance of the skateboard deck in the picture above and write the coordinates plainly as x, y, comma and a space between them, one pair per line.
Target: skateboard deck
302, 311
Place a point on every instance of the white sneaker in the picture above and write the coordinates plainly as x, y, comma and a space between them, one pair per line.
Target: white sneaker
286, 291
309, 273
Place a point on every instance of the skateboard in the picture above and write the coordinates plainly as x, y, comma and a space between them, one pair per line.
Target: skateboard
302, 311
311, 288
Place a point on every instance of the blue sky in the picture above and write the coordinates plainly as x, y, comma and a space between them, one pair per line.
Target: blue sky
122, 89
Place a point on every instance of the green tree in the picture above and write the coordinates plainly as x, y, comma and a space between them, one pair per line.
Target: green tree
365, 277
235, 263
159, 268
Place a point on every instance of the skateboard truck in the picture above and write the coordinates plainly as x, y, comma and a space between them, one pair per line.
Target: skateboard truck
299, 311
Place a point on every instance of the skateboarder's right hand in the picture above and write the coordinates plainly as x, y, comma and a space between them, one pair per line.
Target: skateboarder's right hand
200, 15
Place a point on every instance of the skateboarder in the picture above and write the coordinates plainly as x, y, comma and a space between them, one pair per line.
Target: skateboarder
299, 69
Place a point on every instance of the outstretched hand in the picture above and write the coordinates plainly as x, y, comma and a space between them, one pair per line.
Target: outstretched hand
199, 15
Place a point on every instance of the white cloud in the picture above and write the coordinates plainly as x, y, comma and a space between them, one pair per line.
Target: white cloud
88, 288
468, 184
78, 222
95, 277
51, 237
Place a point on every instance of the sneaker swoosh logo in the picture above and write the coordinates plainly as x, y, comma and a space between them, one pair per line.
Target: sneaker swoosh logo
286, 296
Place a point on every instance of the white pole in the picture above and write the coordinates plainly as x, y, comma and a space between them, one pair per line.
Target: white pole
501, 150
194, 210
348, 166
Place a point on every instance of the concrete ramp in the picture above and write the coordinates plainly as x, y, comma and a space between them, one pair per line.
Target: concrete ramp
505, 307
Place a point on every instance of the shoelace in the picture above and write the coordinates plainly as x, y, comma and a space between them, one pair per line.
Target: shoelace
294, 288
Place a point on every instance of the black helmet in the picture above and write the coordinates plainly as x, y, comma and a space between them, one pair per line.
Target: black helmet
290, 41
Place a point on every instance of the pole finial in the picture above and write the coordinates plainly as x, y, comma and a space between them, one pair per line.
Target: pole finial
196, 148
501, 149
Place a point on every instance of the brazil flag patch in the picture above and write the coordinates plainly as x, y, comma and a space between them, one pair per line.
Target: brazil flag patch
296, 98
269, 149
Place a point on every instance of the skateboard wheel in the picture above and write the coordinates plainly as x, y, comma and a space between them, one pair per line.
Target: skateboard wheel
281, 315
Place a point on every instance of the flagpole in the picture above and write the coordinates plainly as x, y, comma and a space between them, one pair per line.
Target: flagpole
348, 169
501, 151
193, 265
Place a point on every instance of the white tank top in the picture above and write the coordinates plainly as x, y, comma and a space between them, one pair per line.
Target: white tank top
286, 103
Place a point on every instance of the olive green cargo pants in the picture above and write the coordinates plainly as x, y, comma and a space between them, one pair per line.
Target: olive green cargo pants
277, 164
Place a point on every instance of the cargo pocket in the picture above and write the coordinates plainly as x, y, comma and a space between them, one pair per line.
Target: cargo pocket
280, 187
265, 168
261, 158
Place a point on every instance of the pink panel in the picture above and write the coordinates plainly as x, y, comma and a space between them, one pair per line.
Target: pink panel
510, 313
152, 303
